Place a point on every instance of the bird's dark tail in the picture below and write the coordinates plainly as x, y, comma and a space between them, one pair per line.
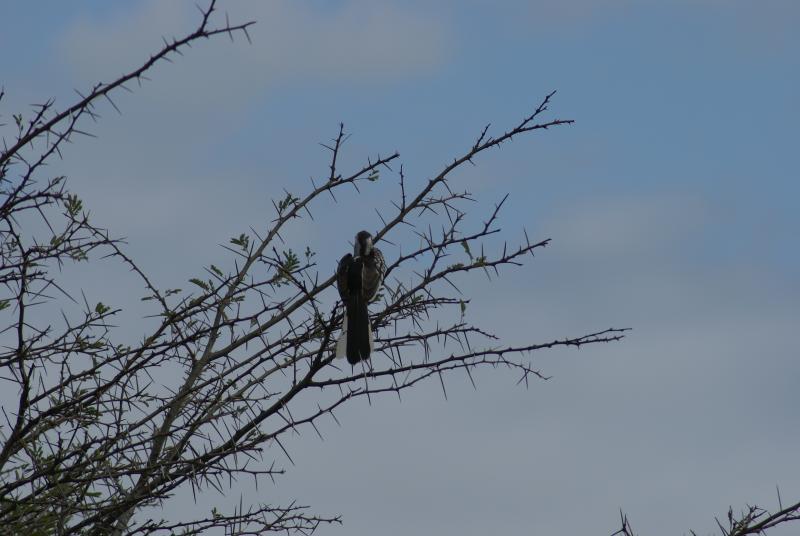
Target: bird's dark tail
358, 346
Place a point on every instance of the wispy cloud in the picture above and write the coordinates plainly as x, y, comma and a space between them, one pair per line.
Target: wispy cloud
354, 42
627, 225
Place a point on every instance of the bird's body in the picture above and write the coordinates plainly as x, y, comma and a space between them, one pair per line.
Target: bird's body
358, 277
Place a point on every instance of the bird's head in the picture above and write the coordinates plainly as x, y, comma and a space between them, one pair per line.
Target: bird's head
363, 244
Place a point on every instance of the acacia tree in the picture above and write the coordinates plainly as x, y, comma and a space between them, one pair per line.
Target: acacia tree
93, 438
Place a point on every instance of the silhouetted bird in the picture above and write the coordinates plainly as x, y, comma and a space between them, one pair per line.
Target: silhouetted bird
359, 276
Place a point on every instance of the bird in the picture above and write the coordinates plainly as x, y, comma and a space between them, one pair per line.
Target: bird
359, 276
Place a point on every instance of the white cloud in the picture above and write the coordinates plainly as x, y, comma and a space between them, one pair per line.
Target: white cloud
195, 104
154, 160
605, 225
355, 42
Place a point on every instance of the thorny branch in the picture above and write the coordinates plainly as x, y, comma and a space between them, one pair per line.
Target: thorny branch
751, 520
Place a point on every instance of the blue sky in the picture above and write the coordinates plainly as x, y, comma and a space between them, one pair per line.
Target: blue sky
671, 203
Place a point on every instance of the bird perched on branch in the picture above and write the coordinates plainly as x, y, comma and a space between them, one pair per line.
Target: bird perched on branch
359, 276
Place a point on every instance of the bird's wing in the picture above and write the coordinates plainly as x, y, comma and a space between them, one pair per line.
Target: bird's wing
341, 277
374, 269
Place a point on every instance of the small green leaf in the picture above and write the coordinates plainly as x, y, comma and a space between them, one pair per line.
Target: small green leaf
78, 255
287, 201
101, 309
73, 205
289, 265
243, 241
5, 304
466, 248
217, 271
200, 283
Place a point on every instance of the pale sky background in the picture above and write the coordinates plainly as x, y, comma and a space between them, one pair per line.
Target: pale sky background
671, 203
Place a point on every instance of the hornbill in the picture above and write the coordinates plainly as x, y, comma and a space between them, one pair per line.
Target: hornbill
359, 276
